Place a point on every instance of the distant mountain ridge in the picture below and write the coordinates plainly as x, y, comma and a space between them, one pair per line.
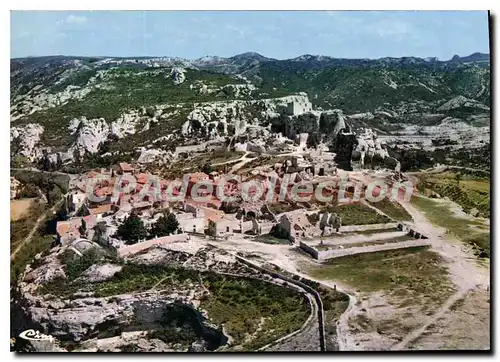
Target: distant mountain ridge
477, 56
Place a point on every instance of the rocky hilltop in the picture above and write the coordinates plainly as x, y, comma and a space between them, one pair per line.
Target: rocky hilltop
157, 301
63, 105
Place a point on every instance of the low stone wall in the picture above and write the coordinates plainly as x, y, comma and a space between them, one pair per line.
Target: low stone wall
337, 253
266, 228
307, 288
309, 249
351, 228
133, 249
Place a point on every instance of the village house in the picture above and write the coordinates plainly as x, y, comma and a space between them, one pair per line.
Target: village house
219, 226
99, 211
194, 178
295, 224
192, 223
74, 228
74, 201
142, 207
125, 168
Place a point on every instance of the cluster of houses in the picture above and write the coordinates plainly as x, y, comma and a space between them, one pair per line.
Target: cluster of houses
98, 220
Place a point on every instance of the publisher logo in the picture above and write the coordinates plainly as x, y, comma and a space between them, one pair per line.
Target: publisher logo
32, 335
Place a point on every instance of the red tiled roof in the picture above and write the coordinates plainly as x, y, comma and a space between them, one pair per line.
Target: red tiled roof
104, 191
126, 167
141, 178
92, 174
101, 209
72, 225
197, 176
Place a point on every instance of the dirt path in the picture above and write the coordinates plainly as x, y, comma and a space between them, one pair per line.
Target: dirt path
19, 208
432, 319
464, 272
35, 227
463, 269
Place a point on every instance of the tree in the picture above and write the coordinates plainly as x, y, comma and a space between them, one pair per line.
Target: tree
207, 168
59, 162
313, 140
45, 162
132, 230
165, 225
83, 228
77, 156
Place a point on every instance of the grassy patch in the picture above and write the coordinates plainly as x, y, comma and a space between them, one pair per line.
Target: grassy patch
19, 229
463, 229
396, 239
392, 209
412, 273
468, 191
269, 239
356, 214
27, 253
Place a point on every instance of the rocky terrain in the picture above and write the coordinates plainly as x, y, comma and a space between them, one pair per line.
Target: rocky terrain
65, 104
160, 300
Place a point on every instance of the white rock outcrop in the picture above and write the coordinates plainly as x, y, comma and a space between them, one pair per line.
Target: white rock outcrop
91, 134
27, 138
178, 75
234, 116
123, 126
154, 155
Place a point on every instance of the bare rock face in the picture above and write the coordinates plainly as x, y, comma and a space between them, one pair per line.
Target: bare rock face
462, 102
370, 149
154, 155
123, 126
26, 139
303, 123
232, 117
177, 75
90, 135
238, 90
367, 116
100, 273
331, 122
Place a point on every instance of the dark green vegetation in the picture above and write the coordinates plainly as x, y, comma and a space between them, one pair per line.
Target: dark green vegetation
183, 324
413, 275
356, 214
52, 185
416, 160
469, 191
253, 312
166, 225
132, 229
364, 88
392, 209
38, 244
470, 231
75, 265
126, 89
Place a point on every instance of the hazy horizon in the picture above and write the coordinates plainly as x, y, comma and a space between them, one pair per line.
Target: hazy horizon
274, 34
